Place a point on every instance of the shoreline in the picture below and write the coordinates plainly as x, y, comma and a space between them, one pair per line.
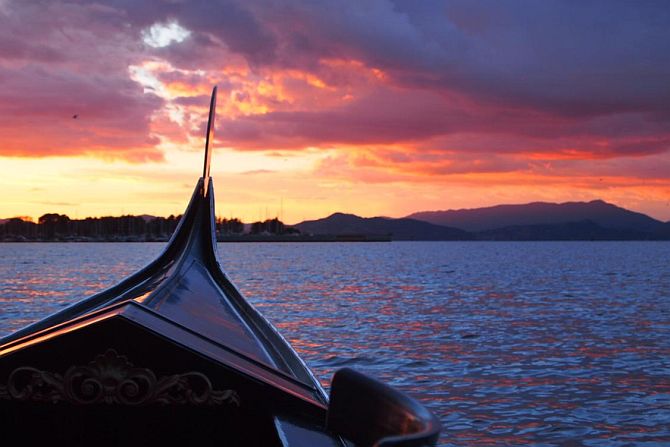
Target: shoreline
224, 239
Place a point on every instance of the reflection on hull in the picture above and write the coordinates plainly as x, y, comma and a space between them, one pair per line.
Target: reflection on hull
175, 352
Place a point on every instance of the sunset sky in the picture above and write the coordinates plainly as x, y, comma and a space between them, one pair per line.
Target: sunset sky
376, 107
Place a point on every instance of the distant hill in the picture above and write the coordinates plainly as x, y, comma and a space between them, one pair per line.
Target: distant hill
570, 231
400, 229
663, 232
608, 222
601, 213
596, 220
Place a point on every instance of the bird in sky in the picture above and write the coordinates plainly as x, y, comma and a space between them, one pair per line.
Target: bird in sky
75, 116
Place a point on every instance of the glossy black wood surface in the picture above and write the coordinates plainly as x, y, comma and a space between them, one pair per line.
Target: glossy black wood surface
151, 359
372, 414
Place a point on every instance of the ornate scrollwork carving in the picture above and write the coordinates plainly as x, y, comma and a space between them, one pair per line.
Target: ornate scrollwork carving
111, 379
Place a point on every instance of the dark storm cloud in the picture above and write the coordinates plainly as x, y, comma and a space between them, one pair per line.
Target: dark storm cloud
566, 57
589, 57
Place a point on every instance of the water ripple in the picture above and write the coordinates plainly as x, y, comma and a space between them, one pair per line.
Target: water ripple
544, 344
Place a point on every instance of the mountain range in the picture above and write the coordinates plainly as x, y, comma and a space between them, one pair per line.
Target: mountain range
401, 229
541, 213
595, 220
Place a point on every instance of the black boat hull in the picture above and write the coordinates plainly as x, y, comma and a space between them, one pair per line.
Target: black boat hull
175, 353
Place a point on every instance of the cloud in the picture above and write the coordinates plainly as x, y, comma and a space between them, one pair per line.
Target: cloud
58, 61
561, 57
582, 80
63, 113
455, 81
258, 172
426, 120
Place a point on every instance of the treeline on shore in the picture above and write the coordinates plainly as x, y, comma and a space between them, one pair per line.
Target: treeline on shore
59, 227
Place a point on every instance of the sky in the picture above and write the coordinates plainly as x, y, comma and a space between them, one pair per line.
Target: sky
380, 107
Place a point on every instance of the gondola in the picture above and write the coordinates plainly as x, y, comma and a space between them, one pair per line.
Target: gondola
175, 354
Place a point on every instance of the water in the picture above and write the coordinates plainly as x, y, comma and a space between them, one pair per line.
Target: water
545, 344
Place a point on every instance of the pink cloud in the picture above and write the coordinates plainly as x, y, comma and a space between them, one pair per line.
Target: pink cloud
39, 108
60, 60
458, 87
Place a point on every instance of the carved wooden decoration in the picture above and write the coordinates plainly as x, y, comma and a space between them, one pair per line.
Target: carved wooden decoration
111, 379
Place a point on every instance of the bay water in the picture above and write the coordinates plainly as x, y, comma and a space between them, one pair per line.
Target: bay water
509, 343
